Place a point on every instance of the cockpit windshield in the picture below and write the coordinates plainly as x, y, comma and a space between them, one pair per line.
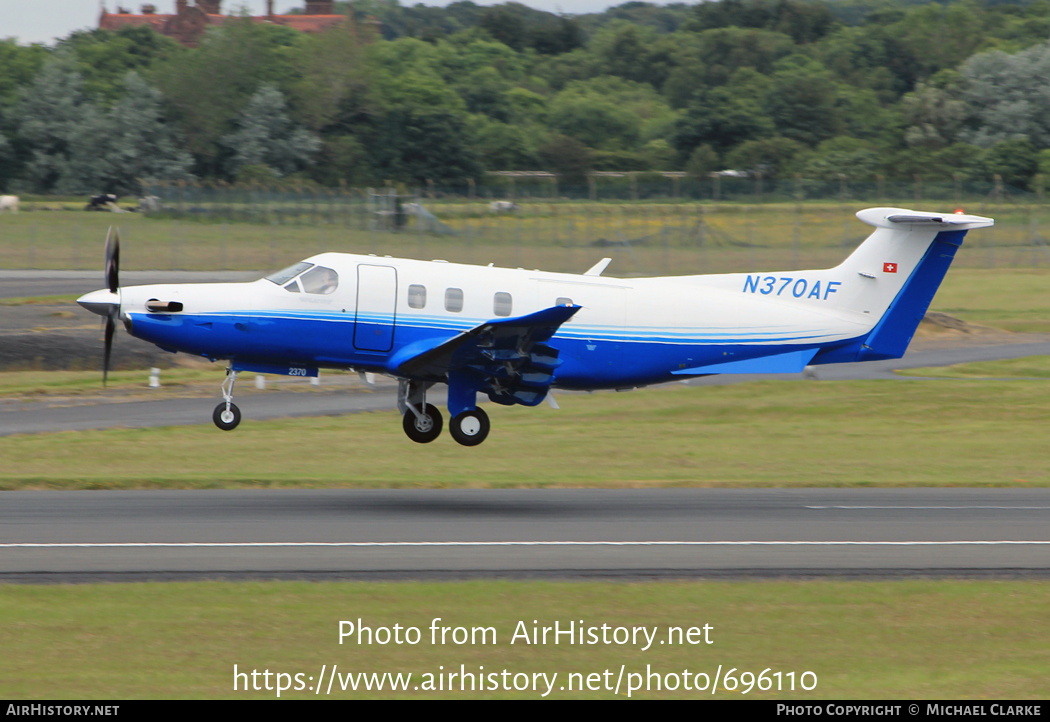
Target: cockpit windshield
283, 276
313, 279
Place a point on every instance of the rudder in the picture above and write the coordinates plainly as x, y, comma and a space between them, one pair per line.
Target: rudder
902, 265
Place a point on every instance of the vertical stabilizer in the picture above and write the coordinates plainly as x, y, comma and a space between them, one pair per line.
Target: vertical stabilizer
894, 275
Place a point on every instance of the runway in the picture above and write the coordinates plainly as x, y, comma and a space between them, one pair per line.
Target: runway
400, 534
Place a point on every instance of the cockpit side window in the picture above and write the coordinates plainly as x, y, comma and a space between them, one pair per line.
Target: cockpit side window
292, 287
286, 274
320, 280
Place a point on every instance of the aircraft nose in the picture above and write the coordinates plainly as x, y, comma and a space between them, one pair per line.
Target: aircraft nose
101, 302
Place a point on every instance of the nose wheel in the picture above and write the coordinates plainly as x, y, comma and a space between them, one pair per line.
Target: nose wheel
470, 428
226, 415
425, 427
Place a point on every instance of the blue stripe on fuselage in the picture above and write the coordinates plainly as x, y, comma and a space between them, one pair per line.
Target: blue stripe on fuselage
327, 340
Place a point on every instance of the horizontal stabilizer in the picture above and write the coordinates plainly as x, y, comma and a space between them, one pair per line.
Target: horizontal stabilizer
896, 217
782, 363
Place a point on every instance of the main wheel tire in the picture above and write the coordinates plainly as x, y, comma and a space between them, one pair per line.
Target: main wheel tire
470, 428
226, 420
424, 430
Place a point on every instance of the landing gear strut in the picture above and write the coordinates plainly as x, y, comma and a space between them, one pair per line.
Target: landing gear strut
226, 415
422, 421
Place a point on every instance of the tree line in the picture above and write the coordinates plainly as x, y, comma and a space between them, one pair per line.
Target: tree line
865, 88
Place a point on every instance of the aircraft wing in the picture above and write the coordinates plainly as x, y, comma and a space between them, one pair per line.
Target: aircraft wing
507, 358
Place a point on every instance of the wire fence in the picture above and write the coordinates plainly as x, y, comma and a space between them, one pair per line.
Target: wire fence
216, 227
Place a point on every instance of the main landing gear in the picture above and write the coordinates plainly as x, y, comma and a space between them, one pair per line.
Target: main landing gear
226, 415
422, 421
470, 427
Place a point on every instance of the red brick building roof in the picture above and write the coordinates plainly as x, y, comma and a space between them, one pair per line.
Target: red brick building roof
189, 22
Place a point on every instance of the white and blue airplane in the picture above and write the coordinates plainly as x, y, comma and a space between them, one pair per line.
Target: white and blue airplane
515, 334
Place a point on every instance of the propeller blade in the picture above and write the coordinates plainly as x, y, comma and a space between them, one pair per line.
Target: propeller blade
110, 327
113, 259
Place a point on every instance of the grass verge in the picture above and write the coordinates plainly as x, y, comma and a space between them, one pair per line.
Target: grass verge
774, 433
867, 640
1028, 367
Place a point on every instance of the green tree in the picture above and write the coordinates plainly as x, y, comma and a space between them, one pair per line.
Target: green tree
958, 159
801, 101
703, 161
570, 159
56, 119
484, 91
934, 115
501, 146
869, 57
504, 25
725, 116
266, 136
104, 57
805, 22
1007, 97
611, 113
413, 143
939, 37
132, 143
856, 159
1015, 160
331, 90
631, 52
18, 66
209, 86
772, 157
723, 51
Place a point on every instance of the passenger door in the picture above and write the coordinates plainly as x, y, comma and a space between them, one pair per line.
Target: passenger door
376, 308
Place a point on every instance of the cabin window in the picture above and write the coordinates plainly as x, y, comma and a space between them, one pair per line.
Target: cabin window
320, 280
286, 274
562, 301
417, 296
454, 299
501, 304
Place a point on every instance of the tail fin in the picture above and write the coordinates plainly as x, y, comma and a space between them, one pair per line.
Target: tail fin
900, 267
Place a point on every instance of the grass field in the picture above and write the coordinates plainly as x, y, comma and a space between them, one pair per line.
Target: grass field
1028, 367
861, 640
909, 433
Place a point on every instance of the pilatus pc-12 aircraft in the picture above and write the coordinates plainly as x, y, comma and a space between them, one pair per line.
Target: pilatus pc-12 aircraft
513, 334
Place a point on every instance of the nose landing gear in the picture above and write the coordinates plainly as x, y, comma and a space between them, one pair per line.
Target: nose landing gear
226, 415
422, 421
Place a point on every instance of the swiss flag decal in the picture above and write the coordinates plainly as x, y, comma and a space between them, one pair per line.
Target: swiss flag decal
889, 267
